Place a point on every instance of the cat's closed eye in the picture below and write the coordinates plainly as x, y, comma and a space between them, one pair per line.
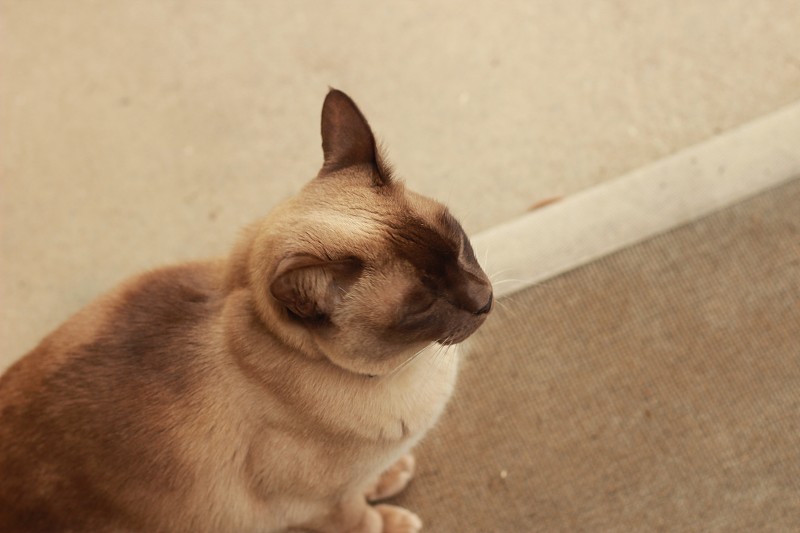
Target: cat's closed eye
418, 303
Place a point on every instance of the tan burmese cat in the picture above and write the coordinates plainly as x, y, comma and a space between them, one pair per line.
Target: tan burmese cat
280, 388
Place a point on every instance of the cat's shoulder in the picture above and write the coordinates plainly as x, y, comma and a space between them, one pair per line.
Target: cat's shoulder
176, 293
148, 321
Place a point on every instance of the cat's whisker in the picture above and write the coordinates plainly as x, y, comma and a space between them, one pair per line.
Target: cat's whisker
543, 284
485, 262
441, 350
498, 273
444, 346
449, 194
449, 346
499, 276
503, 305
437, 351
449, 349
510, 280
406, 362
507, 306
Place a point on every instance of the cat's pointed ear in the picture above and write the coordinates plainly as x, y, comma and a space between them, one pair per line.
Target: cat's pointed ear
347, 139
311, 288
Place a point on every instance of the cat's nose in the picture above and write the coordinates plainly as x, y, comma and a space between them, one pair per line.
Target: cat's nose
474, 296
486, 308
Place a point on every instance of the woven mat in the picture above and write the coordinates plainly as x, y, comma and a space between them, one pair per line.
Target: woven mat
655, 389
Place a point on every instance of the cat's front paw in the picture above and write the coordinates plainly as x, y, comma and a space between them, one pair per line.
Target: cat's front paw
398, 520
393, 480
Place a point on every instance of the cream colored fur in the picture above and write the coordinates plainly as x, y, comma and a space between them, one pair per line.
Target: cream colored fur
280, 388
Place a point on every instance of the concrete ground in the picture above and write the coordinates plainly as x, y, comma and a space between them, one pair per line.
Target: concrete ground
134, 134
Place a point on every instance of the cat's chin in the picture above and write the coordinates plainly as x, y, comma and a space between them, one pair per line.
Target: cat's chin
449, 341
462, 333
378, 362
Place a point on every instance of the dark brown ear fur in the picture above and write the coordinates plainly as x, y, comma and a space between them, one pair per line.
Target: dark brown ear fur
310, 288
347, 139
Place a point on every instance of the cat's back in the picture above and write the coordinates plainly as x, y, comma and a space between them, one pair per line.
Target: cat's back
147, 324
97, 400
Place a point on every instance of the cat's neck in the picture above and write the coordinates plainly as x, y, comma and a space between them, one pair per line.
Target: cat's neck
395, 406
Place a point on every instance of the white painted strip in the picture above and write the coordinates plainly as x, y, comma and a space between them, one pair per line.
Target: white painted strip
648, 201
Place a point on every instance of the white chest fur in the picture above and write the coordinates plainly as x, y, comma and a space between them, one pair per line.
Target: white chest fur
394, 407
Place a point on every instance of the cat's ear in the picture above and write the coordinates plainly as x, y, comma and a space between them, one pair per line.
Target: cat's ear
311, 288
347, 139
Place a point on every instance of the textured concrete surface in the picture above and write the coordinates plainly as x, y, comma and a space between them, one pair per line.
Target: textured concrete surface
653, 390
139, 133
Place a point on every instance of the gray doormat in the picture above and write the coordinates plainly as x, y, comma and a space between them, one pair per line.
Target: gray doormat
655, 389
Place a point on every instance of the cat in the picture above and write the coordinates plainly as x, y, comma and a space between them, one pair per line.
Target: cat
278, 389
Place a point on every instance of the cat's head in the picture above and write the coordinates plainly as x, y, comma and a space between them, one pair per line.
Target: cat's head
357, 268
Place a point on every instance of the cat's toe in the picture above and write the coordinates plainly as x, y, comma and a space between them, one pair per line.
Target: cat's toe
398, 520
394, 480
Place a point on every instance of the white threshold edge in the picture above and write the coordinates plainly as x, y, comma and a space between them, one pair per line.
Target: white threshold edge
653, 199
